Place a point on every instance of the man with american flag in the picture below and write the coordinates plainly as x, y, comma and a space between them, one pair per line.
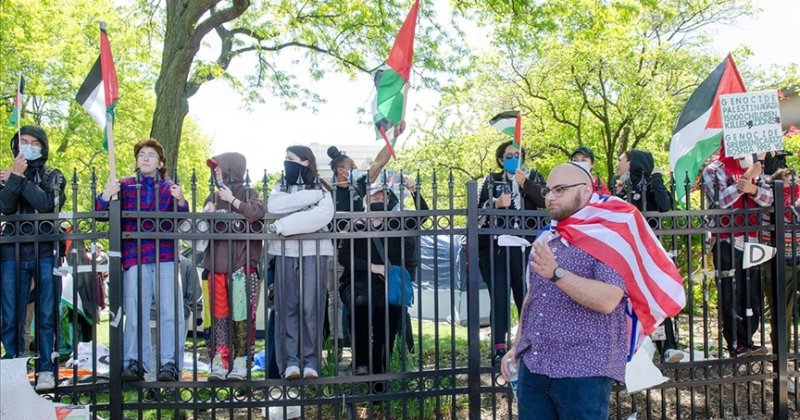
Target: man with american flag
597, 264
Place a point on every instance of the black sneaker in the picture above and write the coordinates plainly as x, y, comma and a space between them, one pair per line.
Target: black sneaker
168, 373
132, 373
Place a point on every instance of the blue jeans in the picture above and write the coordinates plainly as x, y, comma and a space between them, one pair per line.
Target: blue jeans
542, 397
168, 320
15, 296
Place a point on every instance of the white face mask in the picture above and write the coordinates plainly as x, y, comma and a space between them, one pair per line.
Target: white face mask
30, 152
585, 165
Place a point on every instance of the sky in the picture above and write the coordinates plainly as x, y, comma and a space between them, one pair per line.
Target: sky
263, 132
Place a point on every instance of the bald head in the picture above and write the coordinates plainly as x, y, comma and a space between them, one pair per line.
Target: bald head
567, 174
570, 189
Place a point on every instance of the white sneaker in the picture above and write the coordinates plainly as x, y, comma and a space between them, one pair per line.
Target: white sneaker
291, 372
675, 356
310, 373
45, 381
239, 371
218, 371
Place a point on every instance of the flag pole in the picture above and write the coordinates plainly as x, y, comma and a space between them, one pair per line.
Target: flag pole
19, 112
112, 161
109, 129
518, 138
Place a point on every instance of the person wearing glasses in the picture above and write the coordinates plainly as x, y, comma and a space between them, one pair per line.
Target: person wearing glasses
572, 340
513, 188
148, 263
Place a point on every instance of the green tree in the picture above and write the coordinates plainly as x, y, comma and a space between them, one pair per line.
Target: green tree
348, 36
608, 75
55, 63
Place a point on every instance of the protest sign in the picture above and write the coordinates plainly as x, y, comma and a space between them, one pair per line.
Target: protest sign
751, 123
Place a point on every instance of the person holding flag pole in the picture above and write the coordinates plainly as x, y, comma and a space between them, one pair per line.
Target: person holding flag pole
513, 188
98, 95
392, 83
16, 108
30, 186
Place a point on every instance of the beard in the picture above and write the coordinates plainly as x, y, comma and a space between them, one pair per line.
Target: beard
568, 209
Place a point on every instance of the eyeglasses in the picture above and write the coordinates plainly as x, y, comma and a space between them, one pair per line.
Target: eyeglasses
511, 156
558, 190
149, 155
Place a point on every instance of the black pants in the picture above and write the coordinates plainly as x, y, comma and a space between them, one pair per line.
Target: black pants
501, 266
738, 292
374, 344
669, 342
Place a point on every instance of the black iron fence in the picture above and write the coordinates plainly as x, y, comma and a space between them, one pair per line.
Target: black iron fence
233, 334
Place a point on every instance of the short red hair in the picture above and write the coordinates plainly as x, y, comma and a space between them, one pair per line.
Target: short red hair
155, 145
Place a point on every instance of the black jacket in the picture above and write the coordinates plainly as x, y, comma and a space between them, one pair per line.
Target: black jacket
40, 190
400, 250
496, 183
642, 179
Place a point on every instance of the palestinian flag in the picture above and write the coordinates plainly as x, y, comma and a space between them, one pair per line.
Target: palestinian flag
16, 109
698, 132
509, 123
99, 92
391, 82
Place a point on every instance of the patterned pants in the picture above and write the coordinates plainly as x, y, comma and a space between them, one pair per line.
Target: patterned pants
229, 334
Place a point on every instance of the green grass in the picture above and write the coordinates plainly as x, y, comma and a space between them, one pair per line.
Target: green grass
447, 341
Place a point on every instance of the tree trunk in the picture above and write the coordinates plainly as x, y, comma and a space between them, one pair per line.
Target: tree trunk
172, 106
172, 101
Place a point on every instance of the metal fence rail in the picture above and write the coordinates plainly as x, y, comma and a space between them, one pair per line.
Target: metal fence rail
438, 352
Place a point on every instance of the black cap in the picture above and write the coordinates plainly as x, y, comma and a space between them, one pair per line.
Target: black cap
584, 151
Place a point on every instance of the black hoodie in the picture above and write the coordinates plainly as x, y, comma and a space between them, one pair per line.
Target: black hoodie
642, 179
40, 190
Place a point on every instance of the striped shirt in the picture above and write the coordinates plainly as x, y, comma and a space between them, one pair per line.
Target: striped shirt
146, 202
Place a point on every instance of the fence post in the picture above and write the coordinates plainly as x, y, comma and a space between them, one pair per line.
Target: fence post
779, 347
473, 303
115, 302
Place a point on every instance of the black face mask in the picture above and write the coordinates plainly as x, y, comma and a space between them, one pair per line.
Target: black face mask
381, 206
295, 173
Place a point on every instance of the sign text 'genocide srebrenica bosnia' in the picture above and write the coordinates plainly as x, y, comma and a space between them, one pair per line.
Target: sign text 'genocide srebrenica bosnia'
751, 123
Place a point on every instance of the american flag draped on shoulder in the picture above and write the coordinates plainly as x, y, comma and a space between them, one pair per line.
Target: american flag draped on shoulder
615, 232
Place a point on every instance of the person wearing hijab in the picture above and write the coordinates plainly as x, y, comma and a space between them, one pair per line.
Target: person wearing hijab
645, 183
231, 267
735, 183
30, 186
